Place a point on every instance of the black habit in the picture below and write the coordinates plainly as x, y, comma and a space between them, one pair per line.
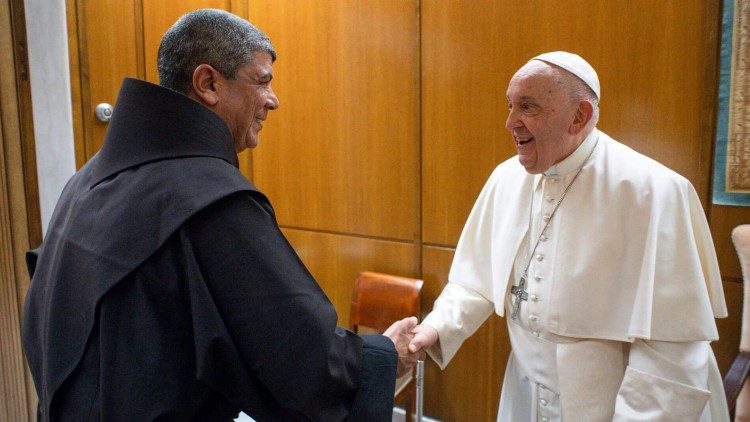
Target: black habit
165, 290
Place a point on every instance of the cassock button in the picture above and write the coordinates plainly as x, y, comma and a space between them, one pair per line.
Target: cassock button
545, 419
536, 333
538, 277
533, 318
540, 257
550, 199
543, 402
544, 238
545, 218
534, 298
552, 180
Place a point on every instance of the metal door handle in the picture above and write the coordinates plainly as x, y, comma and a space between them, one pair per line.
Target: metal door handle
104, 112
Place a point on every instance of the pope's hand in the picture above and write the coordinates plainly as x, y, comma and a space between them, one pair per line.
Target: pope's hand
401, 333
424, 336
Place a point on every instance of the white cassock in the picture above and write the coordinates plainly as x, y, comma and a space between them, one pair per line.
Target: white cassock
623, 290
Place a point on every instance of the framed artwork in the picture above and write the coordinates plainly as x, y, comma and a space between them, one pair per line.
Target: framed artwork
732, 152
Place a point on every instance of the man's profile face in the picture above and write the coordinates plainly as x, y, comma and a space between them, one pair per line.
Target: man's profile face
244, 102
539, 117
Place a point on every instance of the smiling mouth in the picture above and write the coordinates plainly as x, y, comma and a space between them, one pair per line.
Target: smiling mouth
523, 141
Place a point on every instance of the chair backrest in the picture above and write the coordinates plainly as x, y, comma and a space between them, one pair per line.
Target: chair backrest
380, 299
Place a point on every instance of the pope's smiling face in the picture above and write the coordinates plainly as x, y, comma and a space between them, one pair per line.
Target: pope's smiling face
541, 114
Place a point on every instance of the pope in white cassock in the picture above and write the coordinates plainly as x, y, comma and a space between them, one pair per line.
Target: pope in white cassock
600, 259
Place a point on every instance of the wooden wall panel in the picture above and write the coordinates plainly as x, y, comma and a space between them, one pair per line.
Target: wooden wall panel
336, 260
342, 152
653, 99
469, 387
464, 77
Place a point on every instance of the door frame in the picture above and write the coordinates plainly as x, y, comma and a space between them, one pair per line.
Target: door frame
20, 222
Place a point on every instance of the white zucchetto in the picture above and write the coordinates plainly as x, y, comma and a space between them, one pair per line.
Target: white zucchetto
574, 64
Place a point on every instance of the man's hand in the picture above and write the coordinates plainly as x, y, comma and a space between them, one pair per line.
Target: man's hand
401, 334
424, 336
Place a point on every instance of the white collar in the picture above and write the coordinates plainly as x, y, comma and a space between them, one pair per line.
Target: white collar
572, 162
575, 160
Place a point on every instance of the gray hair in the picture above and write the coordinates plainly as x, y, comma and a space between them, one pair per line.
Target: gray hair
578, 91
207, 36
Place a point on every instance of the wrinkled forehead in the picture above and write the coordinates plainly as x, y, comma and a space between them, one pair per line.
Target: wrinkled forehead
536, 79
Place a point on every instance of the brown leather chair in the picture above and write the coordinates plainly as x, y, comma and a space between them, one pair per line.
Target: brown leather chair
736, 381
378, 301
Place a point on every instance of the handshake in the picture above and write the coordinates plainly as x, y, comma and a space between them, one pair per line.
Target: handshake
410, 340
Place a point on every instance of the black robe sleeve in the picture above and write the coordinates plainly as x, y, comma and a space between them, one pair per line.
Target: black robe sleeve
278, 319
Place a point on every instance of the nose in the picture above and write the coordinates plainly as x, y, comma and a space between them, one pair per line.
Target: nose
512, 121
272, 102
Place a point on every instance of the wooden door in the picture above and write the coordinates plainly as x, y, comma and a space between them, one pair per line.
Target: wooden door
110, 40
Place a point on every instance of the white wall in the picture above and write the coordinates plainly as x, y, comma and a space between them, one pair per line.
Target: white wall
46, 33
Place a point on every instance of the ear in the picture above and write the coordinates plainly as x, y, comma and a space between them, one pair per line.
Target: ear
582, 117
203, 87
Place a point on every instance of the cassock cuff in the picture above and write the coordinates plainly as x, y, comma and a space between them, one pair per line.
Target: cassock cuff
643, 396
457, 314
435, 351
374, 398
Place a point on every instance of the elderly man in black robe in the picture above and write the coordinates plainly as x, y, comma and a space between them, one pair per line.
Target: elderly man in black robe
164, 289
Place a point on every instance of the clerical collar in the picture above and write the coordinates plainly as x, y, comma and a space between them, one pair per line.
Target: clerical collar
575, 160
153, 123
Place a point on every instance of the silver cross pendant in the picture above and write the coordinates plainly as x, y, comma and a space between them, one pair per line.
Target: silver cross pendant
521, 294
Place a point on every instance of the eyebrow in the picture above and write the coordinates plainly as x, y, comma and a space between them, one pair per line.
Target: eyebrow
525, 98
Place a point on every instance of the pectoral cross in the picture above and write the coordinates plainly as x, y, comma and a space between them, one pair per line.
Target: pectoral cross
521, 294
